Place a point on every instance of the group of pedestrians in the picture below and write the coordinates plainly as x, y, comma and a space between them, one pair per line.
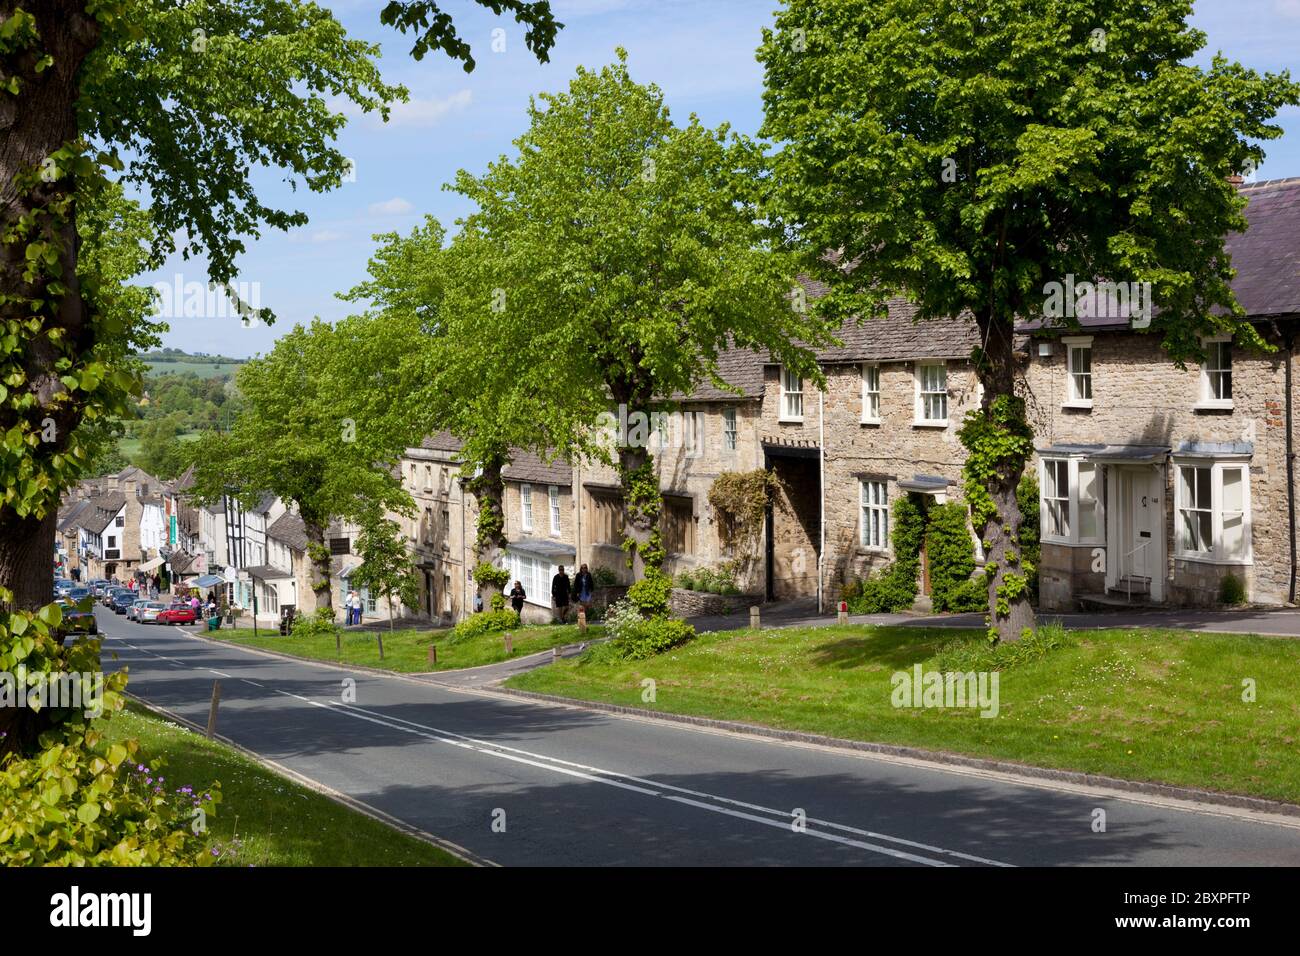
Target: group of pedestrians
563, 592
352, 605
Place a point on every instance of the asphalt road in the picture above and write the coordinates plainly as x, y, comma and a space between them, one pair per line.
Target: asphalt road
586, 789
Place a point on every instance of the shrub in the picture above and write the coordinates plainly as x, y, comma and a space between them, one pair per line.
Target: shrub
951, 553
69, 796
1030, 549
650, 594
319, 622
655, 636
498, 602
686, 580
484, 622
604, 577
972, 595
1232, 591
893, 589
621, 618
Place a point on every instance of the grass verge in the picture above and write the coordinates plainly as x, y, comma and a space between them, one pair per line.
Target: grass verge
407, 650
1153, 705
275, 821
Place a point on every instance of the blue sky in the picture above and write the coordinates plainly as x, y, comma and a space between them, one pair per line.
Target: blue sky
700, 52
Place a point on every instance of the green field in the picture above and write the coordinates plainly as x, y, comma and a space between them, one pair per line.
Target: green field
130, 446
201, 369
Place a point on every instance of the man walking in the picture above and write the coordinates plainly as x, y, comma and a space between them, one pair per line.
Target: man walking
560, 594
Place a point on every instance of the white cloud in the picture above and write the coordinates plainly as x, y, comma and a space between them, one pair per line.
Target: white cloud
396, 206
326, 235
428, 111
1288, 8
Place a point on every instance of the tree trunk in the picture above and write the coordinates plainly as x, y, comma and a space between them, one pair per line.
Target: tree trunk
27, 557
489, 489
319, 555
34, 124
640, 510
1010, 612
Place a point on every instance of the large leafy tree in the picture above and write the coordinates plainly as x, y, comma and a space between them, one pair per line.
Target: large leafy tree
612, 260
323, 427
466, 376
181, 101
966, 154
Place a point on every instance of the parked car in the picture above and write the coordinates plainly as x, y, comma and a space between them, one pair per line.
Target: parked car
110, 594
134, 609
97, 586
77, 595
177, 614
63, 585
122, 601
79, 618
148, 613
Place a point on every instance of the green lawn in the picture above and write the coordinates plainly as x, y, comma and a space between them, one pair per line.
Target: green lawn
407, 650
1141, 705
201, 369
276, 822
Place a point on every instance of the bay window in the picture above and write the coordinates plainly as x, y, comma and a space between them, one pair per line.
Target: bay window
1071, 501
1212, 502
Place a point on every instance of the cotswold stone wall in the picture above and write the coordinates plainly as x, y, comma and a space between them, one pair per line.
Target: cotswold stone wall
896, 448
683, 603
1140, 397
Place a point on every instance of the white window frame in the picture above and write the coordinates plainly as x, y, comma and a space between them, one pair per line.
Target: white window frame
880, 507
1072, 501
871, 393
1216, 554
1207, 396
553, 500
790, 396
730, 430
526, 507
1073, 398
919, 418
693, 433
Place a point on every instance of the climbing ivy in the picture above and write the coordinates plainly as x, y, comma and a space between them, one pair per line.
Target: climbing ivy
644, 505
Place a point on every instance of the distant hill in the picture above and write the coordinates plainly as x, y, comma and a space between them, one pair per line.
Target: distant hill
204, 366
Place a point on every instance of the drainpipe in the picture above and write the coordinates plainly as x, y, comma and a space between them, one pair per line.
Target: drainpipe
821, 481
1288, 340
464, 553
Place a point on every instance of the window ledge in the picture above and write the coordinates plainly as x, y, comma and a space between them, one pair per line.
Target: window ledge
1211, 559
1213, 405
920, 423
790, 421
870, 421
873, 552
1085, 403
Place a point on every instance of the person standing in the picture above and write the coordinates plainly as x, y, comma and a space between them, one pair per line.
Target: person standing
517, 597
584, 585
560, 594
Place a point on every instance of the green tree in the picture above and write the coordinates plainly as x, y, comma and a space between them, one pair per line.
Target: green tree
387, 567
165, 93
613, 260
323, 426
967, 155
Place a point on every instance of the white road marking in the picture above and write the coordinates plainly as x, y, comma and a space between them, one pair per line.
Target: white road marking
253, 682
654, 788
213, 670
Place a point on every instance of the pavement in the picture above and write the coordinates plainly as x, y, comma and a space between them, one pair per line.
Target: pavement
522, 782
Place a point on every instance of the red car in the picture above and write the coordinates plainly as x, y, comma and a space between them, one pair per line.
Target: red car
177, 614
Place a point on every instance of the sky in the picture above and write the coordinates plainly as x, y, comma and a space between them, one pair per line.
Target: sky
699, 52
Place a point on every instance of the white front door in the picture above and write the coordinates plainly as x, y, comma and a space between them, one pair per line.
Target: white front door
1139, 523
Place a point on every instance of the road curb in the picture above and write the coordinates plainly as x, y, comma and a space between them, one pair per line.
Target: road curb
352, 803
938, 758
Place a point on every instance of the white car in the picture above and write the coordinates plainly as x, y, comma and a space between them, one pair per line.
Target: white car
133, 612
149, 611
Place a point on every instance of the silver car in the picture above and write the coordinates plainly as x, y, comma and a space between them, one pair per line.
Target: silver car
149, 612
133, 612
